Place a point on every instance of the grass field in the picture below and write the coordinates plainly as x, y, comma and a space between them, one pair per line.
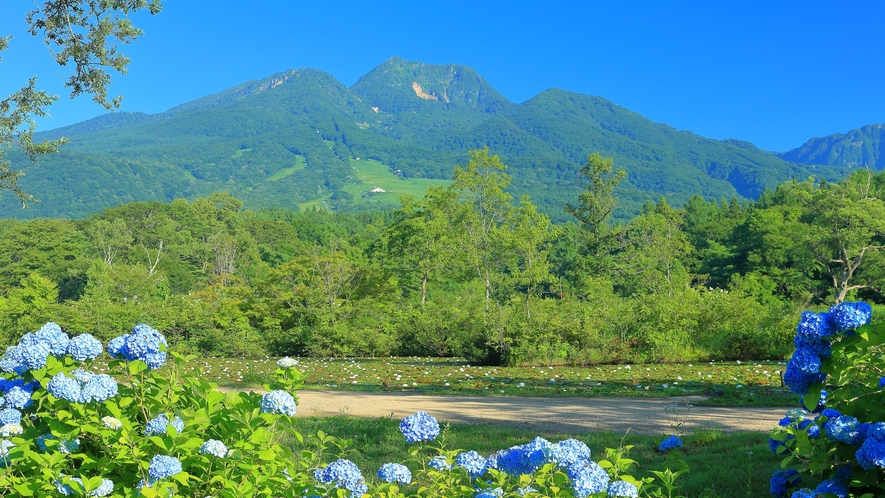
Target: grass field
728, 383
370, 174
300, 163
721, 465
239, 153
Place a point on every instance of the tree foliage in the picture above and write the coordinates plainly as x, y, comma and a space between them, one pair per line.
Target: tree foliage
84, 35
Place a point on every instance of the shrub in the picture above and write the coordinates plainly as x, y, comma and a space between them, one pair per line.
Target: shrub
836, 441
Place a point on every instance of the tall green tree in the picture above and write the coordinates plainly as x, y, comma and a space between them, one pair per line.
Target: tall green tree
486, 206
420, 243
84, 35
528, 240
848, 232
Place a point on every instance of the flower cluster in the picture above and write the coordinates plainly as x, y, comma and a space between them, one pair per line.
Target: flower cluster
395, 472
343, 474
474, 463
670, 443
163, 466
84, 347
143, 343
32, 350
158, 424
286, 362
213, 447
419, 427
814, 336
821, 340
279, 402
83, 387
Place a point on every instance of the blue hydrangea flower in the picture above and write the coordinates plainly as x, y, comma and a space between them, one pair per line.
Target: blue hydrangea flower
33, 354
99, 387
831, 413
799, 381
821, 347
881, 382
623, 489
487, 493
85, 387
163, 466
63, 387
871, 454
343, 474
213, 447
669, 443
85, 347
806, 360
144, 343
18, 397
815, 325
832, 486
52, 335
781, 480
803, 493
419, 427
157, 425
842, 428
395, 472
279, 402
588, 478
813, 430
439, 463
569, 452
526, 490
473, 462
10, 416
12, 361
526, 458
849, 316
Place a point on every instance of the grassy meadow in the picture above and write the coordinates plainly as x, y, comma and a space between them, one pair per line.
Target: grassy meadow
725, 383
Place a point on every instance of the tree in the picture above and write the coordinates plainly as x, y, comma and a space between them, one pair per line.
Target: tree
420, 244
847, 227
85, 34
528, 238
482, 185
596, 238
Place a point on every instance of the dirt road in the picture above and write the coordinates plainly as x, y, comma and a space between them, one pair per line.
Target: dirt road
651, 416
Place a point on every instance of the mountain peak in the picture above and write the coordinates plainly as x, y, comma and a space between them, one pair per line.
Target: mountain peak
399, 85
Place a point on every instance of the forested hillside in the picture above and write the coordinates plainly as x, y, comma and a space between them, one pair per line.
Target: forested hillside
860, 148
299, 139
466, 269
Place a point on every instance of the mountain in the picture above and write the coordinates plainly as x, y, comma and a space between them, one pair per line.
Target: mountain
301, 138
860, 148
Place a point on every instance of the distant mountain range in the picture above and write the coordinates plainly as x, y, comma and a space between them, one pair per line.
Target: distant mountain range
301, 138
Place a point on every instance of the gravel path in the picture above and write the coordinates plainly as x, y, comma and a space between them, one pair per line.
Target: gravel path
650, 416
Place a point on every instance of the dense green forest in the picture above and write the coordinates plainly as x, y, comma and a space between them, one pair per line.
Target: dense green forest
465, 270
299, 139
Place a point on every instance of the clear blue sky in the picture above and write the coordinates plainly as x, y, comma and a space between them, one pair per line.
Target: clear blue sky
772, 72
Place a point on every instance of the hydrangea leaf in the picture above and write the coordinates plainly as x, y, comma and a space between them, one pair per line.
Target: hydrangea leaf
811, 399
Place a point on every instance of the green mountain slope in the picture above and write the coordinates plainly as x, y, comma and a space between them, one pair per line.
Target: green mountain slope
859, 148
295, 137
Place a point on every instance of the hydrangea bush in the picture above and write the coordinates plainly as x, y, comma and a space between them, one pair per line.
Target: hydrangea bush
834, 444
143, 429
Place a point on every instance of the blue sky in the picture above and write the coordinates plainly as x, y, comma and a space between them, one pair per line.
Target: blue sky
772, 72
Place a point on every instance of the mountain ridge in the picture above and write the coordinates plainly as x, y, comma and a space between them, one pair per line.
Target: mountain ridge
308, 132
